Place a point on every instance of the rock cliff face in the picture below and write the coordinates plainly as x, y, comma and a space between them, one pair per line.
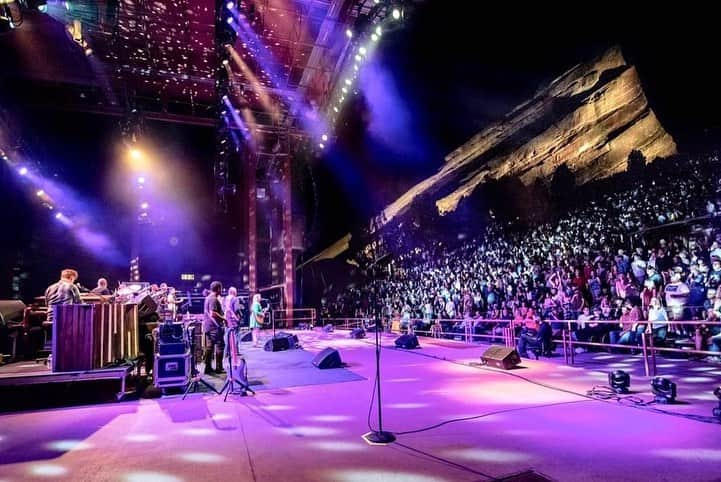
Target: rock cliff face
590, 119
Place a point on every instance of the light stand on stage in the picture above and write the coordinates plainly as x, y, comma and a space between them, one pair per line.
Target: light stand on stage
235, 374
379, 437
196, 378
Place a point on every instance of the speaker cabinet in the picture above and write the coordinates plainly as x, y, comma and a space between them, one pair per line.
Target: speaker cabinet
328, 358
147, 306
501, 357
358, 333
277, 344
11, 310
282, 341
407, 341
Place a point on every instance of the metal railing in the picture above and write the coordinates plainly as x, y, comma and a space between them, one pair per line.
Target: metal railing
505, 331
290, 318
435, 329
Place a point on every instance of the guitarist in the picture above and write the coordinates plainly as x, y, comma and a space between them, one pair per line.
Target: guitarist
257, 318
213, 322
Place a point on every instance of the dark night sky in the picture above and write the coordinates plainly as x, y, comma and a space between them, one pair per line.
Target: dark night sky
460, 69
455, 67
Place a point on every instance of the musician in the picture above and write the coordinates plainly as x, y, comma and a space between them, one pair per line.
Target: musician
102, 288
64, 292
173, 302
257, 317
231, 307
213, 321
231, 356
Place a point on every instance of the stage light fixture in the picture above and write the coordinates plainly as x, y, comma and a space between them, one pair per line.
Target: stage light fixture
23, 171
664, 390
348, 82
374, 37
141, 180
396, 14
324, 137
144, 206
717, 410
619, 381
225, 62
349, 33
40, 193
135, 154
379, 30
229, 20
58, 215
358, 58
321, 145
230, 5
362, 50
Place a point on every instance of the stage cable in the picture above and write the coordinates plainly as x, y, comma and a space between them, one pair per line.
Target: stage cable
635, 402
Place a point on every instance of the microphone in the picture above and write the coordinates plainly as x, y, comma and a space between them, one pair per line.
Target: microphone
81, 287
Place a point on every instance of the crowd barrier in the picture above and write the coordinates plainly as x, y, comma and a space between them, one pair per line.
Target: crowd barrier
294, 318
505, 332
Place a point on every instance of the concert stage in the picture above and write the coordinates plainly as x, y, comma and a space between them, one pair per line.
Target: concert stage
533, 418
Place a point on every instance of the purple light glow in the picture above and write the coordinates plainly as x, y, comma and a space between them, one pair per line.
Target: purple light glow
23, 171
141, 180
308, 114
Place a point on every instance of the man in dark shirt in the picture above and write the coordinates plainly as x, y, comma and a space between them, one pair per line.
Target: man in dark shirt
213, 327
102, 288
64, 292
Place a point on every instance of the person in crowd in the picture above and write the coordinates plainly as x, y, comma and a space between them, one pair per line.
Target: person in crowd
630, 329
676, 293
659, 319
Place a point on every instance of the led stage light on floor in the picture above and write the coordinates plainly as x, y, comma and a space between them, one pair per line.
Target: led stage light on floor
619, 381
664, 390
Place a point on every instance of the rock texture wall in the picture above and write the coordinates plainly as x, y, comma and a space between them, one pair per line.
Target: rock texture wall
590, 119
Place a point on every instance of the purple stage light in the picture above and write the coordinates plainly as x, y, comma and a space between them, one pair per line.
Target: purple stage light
58, 215
230, 5
144, 206
23, 171
229, 20
141, 180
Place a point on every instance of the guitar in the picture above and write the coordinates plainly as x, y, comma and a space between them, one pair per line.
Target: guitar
260, 317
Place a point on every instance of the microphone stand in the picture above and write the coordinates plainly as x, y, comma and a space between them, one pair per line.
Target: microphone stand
379, 437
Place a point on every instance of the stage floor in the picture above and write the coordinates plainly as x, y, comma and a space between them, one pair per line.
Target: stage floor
532, 418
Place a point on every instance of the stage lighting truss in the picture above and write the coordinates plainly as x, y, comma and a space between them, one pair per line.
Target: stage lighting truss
373, 20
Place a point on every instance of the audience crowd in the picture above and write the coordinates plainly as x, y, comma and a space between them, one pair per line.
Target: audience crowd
635, 255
